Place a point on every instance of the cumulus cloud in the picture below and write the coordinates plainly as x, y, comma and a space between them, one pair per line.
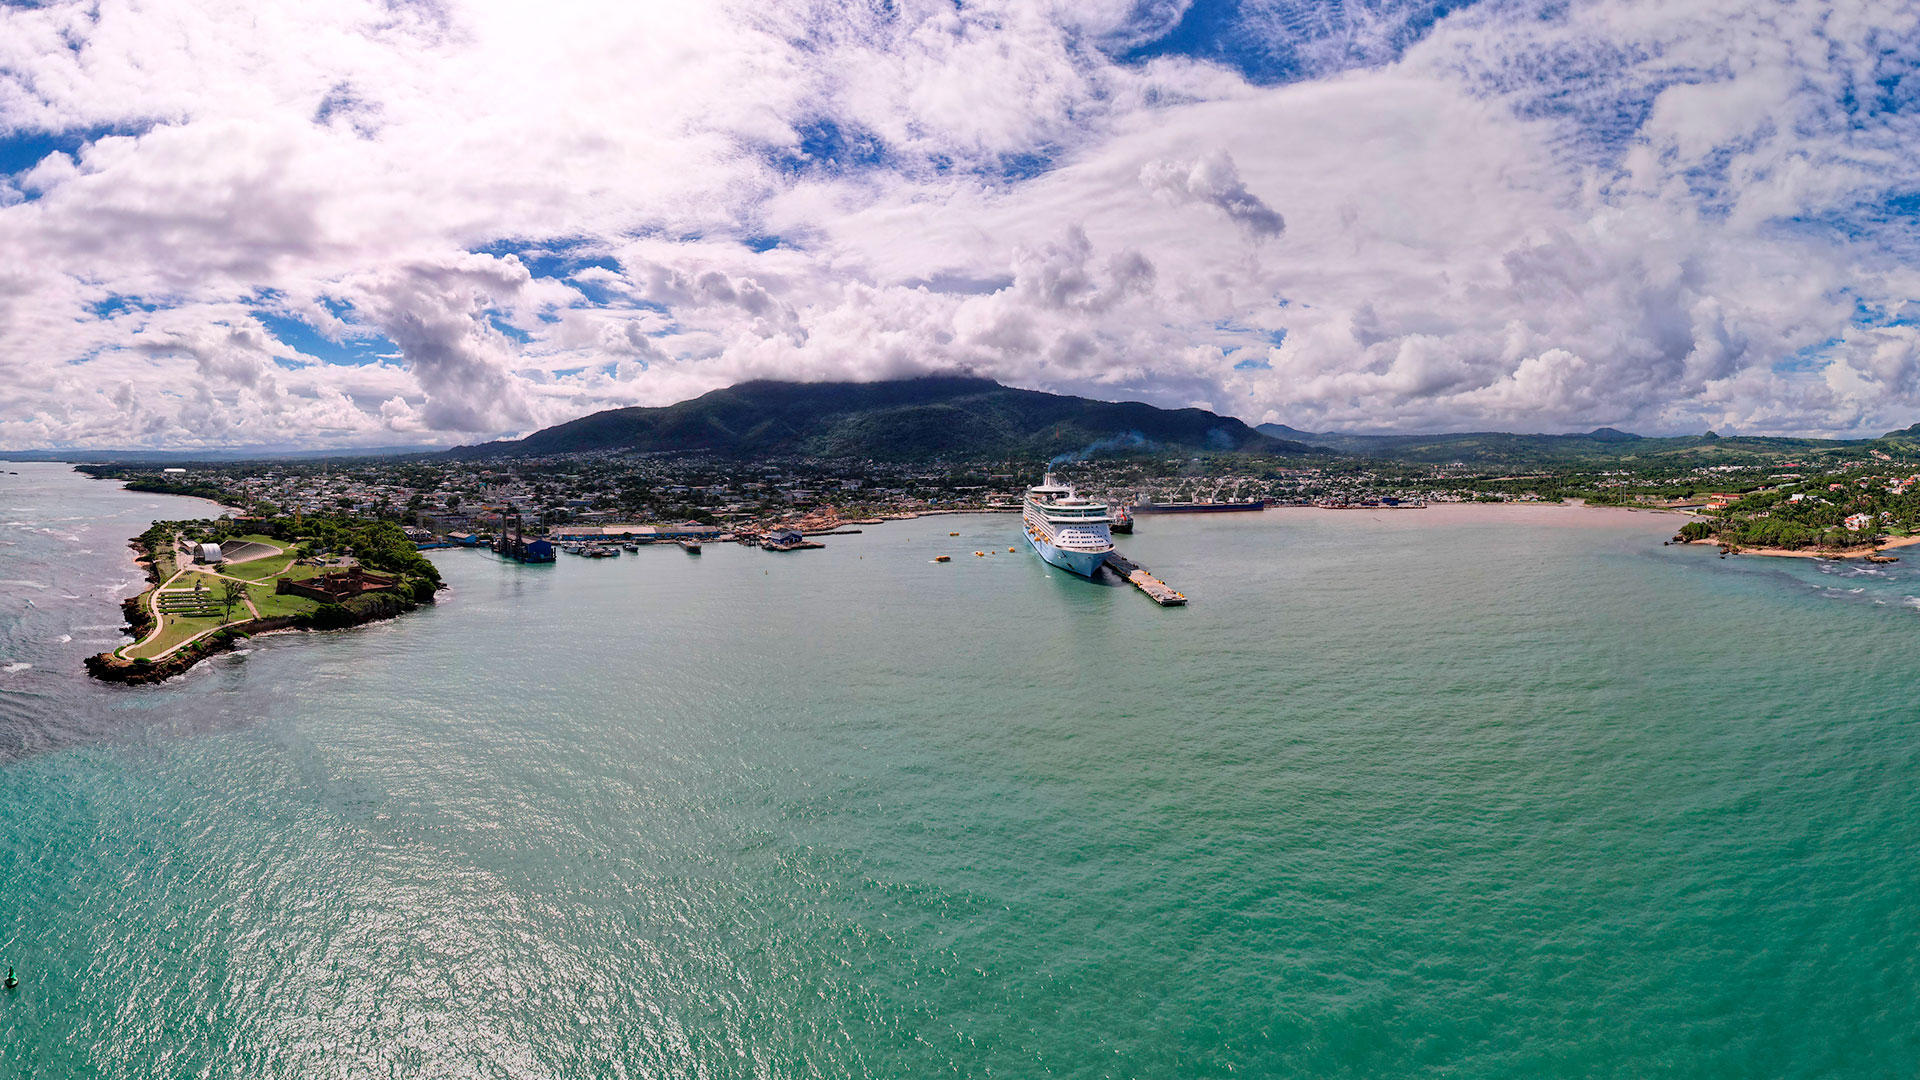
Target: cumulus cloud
1214, 180
315, 225
438, 314
1062, 276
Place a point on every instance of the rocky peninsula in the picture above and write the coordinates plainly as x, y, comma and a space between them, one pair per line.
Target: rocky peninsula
212, 586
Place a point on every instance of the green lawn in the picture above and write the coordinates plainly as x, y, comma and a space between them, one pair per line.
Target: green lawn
260, 569
273, 604
211, 597
184, 615
174, 629
211, 583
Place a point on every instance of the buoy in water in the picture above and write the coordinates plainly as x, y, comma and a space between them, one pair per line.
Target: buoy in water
11, 981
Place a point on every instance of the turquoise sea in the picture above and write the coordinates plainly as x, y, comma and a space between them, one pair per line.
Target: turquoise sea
1459, 792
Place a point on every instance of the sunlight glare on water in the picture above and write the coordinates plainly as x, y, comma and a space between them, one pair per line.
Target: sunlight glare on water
1451, 792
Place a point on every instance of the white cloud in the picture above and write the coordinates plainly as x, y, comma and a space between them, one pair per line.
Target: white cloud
1663, 217
1215, 180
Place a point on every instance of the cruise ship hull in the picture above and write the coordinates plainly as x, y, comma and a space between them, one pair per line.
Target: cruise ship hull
1084, 563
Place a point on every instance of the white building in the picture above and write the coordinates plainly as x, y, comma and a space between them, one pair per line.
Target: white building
209, 553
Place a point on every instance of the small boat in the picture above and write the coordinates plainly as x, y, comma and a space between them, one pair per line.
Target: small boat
980, 554
953, 534
943, 558
631, 547
691, 547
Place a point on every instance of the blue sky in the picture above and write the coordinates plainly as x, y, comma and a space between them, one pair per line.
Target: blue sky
377, 223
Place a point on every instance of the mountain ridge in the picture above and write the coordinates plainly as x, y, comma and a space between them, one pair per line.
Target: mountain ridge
1601, 445
928, 418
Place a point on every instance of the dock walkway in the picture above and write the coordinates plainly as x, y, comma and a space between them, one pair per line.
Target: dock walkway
1159, 591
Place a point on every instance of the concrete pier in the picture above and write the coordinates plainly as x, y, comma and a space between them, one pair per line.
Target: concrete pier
1159, 591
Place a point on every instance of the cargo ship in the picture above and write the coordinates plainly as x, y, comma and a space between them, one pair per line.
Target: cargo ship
1199, 507
1067, 531
1121, 520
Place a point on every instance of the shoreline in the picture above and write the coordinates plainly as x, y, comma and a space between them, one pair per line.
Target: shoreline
112, 668
74, 466
1808, 553
109, 666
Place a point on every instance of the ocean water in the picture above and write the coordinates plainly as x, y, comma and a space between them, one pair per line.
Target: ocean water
1459, 792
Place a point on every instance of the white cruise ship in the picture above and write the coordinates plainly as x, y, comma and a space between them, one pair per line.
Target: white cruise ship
1067, 531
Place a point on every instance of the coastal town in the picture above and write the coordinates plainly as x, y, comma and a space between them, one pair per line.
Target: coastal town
324, 544
669, 497
596, 499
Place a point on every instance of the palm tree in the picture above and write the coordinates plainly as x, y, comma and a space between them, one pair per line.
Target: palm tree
231, 593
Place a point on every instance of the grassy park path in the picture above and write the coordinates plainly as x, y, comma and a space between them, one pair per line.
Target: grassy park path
191, 615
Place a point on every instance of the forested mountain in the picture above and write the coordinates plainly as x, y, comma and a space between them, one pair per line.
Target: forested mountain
1602, 446
900, 420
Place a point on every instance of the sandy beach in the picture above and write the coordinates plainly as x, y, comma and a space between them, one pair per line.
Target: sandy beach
1819, 553
1542, 513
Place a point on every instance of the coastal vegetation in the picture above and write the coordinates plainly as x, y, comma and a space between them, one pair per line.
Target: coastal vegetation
193, 611
1829, 512
377, 545
1695, 531
168, 485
